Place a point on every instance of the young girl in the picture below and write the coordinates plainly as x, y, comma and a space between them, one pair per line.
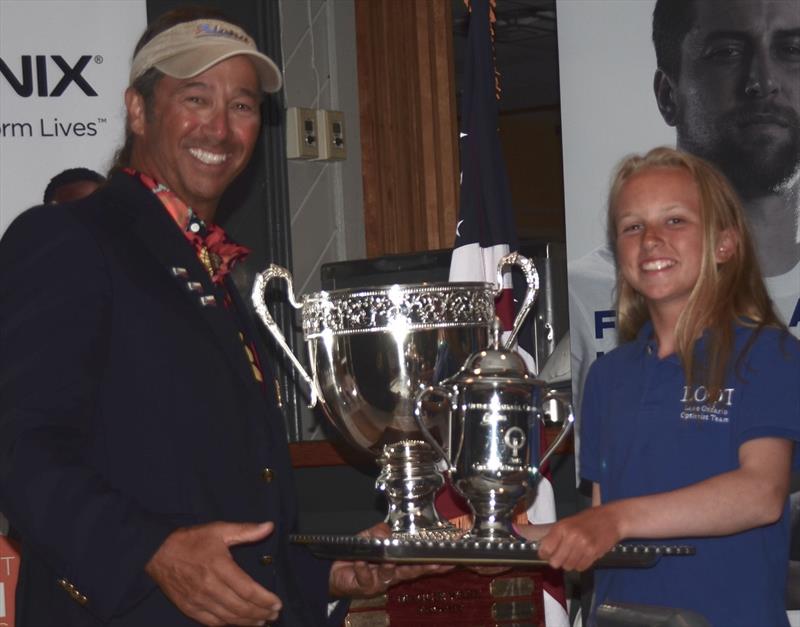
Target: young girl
689, 427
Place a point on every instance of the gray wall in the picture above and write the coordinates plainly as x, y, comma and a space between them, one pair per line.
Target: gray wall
325, 198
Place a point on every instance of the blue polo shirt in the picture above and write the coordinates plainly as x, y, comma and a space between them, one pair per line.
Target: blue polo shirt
644, 431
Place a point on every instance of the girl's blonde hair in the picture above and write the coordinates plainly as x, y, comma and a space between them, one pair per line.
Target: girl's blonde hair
725, 294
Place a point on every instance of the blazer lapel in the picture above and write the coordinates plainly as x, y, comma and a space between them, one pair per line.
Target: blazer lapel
160, 236
253, 331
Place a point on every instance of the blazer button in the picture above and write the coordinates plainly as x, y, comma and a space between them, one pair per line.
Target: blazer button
265, 560
267, 475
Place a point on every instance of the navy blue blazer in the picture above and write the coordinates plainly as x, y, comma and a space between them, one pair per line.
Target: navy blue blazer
128, 409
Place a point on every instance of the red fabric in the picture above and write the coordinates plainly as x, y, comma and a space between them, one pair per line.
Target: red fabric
505, 309
460, 597
229, 252
450, 504
225, 252
553, 584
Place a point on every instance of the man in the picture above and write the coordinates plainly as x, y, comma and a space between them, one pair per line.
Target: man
72, 184
143, 457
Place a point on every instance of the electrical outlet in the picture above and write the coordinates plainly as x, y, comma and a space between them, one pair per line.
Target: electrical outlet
332, 144
302, 141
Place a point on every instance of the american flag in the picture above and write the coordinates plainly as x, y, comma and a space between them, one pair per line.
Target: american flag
486, 231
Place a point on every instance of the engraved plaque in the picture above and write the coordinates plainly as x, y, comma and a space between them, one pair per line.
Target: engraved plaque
511, 587
462, 597
367, 619
378, 601
513, 610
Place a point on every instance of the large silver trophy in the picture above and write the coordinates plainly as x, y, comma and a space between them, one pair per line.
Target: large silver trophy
385, 367
372, 351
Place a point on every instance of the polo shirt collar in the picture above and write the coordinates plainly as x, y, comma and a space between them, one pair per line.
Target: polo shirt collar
648, 345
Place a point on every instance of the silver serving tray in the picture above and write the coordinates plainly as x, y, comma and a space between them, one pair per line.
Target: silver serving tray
510, 553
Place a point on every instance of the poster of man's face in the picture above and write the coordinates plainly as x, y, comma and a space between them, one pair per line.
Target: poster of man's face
732, 90
717, 78
728, 80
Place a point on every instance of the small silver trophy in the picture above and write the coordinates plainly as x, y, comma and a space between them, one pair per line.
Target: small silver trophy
371, 351
493, 453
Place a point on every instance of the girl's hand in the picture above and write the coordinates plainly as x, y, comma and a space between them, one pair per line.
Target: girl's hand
577, 542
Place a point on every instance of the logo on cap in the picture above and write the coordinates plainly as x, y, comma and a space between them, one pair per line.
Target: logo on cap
214, 30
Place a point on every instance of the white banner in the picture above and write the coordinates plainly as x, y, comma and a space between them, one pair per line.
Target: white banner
64, 70
606, 66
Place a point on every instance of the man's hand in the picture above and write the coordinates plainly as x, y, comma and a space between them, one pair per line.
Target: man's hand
533, 532
361, 579
196, 571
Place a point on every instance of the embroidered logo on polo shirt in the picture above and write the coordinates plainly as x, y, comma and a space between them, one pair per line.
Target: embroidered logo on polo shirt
697, 405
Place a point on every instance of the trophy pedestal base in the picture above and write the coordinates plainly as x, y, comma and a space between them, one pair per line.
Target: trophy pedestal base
410, 480
493, 529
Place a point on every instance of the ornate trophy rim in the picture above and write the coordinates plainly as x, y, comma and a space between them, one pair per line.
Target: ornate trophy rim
401, 307
434, 286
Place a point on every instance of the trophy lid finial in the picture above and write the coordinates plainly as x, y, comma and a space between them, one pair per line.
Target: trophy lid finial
494, 362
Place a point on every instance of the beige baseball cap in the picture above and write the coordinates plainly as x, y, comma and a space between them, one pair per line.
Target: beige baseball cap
190, 48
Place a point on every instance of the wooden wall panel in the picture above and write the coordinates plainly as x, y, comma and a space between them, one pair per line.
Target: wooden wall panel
408, 124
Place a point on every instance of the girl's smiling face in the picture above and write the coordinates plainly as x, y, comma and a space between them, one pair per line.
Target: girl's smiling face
659, 234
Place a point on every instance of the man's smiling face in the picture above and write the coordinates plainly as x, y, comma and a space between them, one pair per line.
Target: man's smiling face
200, 133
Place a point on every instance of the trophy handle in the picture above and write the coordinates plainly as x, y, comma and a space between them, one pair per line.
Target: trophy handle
568, 422
429, 391
257, 296
531, 277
